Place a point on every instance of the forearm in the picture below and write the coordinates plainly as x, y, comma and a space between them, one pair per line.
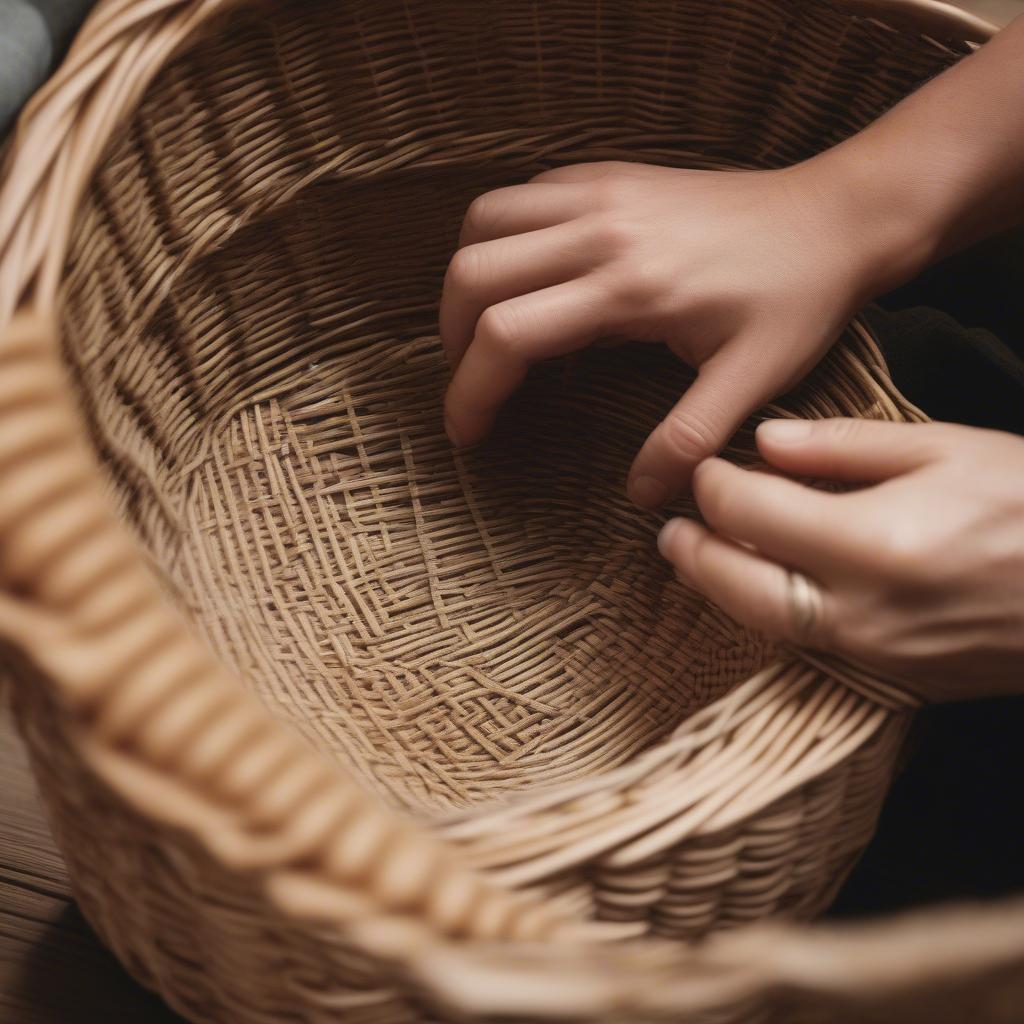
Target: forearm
939, 171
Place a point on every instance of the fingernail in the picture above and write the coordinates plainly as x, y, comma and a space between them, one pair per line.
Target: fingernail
452, 431
648, 492
785, 431
665, 535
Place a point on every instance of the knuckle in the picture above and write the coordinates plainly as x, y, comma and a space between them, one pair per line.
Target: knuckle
480, 213
869, 628
709, 492
614, 235
687, 436
859, 637
465, 270
501, 329
909, 564
561, 174
641, 285
904, 550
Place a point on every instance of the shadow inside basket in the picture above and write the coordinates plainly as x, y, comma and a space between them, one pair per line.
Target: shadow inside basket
457, 626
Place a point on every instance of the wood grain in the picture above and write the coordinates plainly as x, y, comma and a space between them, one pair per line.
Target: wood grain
53, 970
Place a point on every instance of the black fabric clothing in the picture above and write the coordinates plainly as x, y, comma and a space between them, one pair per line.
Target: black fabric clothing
953, 373
953, 826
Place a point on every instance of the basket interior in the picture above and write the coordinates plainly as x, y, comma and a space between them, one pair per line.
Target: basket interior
249, 317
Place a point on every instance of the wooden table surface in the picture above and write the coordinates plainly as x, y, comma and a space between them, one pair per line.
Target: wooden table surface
53, 970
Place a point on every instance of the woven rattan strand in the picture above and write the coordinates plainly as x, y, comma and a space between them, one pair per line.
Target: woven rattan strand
324, 710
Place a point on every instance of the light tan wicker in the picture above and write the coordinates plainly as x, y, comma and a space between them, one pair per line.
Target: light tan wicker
488, 757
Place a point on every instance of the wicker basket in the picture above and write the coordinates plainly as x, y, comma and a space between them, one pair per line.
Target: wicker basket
489, 758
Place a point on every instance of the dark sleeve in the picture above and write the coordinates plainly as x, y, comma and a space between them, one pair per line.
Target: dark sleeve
953, 373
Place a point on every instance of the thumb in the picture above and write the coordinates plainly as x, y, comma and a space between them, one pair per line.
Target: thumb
699, 425
857, 451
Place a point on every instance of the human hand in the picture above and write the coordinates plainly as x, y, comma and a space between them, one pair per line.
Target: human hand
747, 276
920, 574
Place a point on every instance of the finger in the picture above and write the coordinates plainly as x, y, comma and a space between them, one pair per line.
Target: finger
785, 521
721, 397
508, 338
516, 209
863, 451
755, 591
482, 275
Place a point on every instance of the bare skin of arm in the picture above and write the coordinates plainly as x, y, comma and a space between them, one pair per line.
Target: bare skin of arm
749, 277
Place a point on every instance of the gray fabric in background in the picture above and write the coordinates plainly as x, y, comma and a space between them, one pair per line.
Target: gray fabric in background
33, 36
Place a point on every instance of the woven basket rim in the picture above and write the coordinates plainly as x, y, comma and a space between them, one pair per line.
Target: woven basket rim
60, 138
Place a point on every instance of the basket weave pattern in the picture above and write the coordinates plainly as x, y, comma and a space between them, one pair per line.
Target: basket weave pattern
512, 722
265, 386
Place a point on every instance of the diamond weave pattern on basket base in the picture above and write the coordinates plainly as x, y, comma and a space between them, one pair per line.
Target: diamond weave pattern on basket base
453, 624
253, 330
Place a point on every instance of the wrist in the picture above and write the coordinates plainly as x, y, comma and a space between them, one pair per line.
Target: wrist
936, 173
886, 223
